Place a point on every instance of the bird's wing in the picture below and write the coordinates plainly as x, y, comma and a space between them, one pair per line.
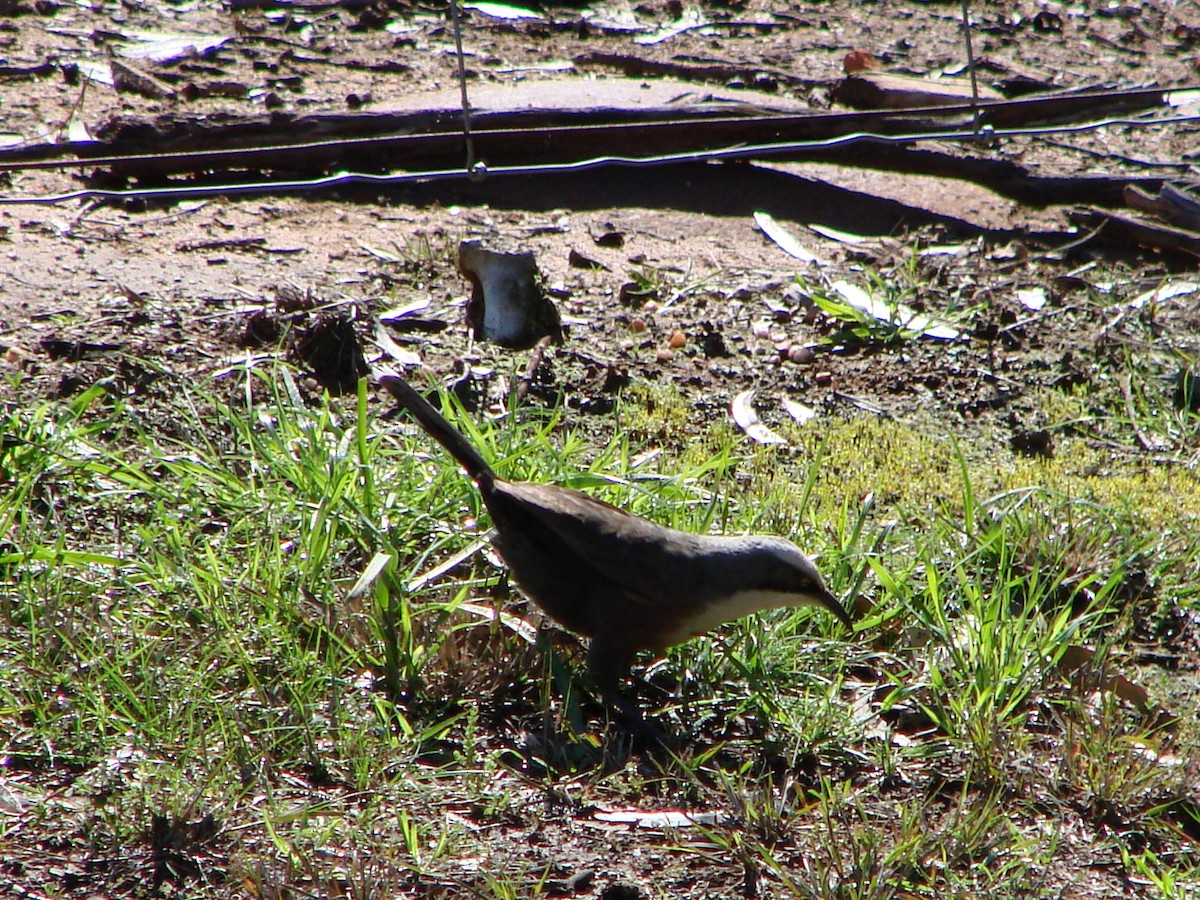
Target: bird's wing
616, 544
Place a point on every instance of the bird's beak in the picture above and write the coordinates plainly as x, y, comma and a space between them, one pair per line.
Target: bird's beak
831, 603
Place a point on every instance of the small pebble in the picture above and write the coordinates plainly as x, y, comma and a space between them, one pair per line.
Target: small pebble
678, 340
798, 353
664, 355
824, 379
637, 325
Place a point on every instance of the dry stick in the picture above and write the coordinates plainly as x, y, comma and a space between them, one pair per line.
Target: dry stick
709, 69
531, 367
1146, 440
1179, 165
966, 13
1132, 230
523, 136
462, 89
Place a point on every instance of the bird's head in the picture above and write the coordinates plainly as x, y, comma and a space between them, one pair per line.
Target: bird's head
743, 575
790, 577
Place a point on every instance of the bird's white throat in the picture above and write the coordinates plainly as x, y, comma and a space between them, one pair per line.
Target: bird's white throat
734, 607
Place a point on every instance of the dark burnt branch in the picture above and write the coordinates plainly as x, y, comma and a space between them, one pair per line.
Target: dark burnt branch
306, 146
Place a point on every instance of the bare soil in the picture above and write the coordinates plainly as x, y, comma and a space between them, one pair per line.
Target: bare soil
91, 290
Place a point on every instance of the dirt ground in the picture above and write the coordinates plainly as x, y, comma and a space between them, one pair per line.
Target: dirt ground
180, 280
91, 290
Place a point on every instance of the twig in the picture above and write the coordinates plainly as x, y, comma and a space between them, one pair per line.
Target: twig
1119, 157
1147, 442
531, 367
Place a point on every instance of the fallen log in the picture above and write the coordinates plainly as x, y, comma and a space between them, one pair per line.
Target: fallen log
287, 145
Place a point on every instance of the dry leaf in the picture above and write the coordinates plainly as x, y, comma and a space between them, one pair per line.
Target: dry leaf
798, 411
747, 420
834, 234
782, 237
655, 818
523, 629
165, 46
399, 312
1164, 292
1077, 665
1032, 298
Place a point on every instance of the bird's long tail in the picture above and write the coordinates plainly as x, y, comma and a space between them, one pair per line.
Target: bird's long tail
437, 426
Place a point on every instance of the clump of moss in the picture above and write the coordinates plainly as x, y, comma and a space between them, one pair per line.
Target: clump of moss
913, 473
656, 413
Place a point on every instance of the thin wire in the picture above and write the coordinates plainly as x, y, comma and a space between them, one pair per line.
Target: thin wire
757, 151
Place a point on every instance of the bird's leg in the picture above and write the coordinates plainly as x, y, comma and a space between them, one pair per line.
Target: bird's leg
607, 664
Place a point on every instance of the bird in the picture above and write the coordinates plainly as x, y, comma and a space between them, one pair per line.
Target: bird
624, 582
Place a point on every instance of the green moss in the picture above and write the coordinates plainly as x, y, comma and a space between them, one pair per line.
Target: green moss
657, 413
914, 474
1061, 408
